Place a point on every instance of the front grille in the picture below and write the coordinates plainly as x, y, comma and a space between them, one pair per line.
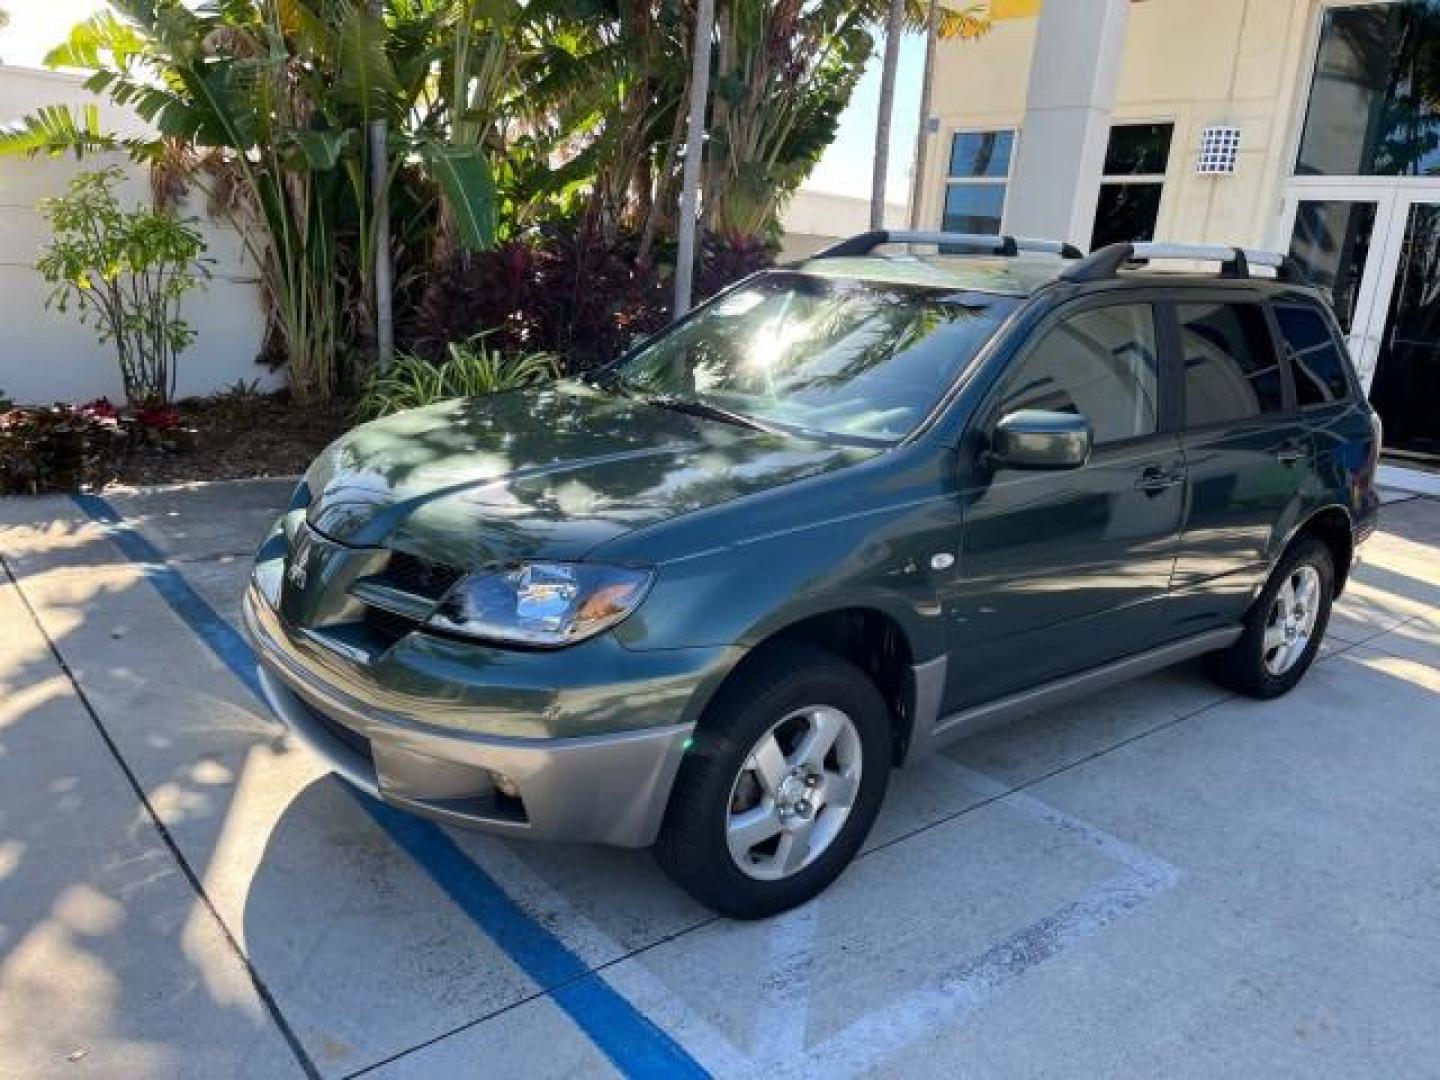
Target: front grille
400, 596
390, 626
422, 577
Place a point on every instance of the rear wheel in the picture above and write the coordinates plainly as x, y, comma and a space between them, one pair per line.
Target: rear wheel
1285, 626
781, 786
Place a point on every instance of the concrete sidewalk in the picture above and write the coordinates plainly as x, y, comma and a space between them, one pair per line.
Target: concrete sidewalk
1163, 880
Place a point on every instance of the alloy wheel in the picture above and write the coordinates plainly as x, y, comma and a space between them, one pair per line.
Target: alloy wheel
794, 792
1291, 621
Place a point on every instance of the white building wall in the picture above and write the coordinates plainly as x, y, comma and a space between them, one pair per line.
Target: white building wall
46, 356
816, 219
1190, 62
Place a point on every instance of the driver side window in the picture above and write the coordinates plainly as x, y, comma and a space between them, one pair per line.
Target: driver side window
1101, 364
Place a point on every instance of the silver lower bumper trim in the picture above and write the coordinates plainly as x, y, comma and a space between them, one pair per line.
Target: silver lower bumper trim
608, 789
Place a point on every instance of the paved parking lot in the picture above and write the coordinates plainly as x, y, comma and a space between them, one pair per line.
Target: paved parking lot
1160, 881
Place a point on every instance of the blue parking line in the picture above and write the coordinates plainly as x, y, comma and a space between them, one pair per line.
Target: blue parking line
633, 1042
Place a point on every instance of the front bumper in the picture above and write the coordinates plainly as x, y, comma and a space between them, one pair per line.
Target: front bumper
600, 788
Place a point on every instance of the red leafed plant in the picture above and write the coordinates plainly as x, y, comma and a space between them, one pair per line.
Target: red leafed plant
58, 448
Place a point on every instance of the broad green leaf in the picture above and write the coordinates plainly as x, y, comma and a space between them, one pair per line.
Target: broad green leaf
465, 177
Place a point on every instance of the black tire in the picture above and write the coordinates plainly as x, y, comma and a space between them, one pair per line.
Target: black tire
1242, 667
692, 846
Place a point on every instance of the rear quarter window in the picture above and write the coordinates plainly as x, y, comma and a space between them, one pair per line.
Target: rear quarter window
1231, 368
1316, 359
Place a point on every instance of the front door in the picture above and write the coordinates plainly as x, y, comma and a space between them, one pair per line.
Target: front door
1064, 570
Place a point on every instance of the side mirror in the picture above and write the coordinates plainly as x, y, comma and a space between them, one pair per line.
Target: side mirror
1036, 439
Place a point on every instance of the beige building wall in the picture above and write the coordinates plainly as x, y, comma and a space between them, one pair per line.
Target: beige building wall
1193, 63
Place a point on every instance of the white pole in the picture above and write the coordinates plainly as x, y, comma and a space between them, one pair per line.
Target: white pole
380, 195
694, 150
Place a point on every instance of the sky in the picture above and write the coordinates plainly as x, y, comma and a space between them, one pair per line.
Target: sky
37, 25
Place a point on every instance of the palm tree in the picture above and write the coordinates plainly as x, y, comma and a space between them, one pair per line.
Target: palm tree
941, 22
894, 27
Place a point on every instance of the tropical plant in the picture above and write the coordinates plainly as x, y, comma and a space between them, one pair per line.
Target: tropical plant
510, 121
471, 368
784, 72
124, 272
265, 104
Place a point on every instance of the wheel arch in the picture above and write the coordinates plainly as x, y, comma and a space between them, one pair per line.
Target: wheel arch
868, 636
1331, 525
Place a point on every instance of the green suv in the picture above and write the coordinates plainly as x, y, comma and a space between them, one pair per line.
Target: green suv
843, 513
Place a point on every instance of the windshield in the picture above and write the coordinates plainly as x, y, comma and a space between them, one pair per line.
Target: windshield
860, 360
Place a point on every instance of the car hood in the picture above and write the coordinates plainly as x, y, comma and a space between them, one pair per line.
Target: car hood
545, 473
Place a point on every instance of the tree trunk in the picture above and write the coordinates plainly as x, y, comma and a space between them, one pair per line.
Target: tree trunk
927, 93
894, 27
694, 151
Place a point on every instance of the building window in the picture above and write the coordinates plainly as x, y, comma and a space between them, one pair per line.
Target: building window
975, 184
1374, 106
1135, 162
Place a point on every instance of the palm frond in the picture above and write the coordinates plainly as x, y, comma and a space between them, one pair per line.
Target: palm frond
54, 130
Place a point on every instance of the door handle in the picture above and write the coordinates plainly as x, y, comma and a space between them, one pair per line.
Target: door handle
1154, 480
1289, 454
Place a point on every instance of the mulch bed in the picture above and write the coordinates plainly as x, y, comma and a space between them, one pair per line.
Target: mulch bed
258, 435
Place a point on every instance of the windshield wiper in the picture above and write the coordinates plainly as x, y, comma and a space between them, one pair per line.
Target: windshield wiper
710, 412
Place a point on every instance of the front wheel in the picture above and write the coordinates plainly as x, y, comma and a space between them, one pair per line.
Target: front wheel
1285, 627
784, 779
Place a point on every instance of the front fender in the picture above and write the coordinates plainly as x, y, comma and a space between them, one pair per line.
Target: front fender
744, 593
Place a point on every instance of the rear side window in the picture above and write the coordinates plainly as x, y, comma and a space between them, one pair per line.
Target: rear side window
1317, 362
1101, 364
1231, 370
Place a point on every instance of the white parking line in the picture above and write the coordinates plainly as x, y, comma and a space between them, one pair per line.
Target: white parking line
777, 1044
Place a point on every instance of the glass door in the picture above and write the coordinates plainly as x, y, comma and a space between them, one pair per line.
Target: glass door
1405, 385
1337, 233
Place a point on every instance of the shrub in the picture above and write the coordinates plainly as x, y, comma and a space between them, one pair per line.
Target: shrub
562, 290
469, 369
59, 448
125, 271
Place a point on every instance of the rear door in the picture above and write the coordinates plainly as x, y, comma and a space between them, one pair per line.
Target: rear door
1063, 570
1247, 455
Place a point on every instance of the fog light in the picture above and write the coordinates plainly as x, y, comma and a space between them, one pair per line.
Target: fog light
504, 785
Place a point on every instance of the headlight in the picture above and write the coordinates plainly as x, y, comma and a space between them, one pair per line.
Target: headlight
544, 604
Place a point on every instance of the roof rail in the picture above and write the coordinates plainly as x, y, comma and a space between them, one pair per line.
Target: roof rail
1235, 262
866, 242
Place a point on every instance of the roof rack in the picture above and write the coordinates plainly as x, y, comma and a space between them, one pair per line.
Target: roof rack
866, 242
1235, 262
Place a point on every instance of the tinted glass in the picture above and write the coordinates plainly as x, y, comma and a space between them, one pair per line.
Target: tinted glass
1125, 212
1331, 242
1374, 104
981, 153
1231, 371
974, 208
825, 355
1138, 149
1100, 364
1406, 389
1315, 356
